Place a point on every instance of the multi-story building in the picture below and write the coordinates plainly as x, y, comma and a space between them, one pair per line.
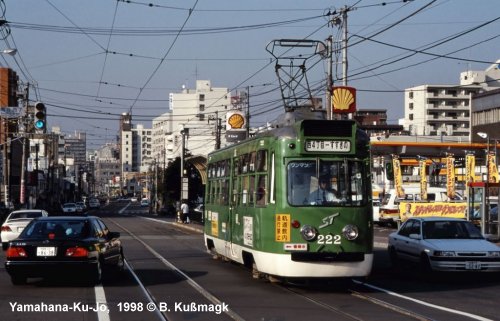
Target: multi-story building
439, 110
107, 170
135, 153
197, 113
445, 110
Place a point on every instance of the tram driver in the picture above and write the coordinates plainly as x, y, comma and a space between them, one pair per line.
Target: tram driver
323, 194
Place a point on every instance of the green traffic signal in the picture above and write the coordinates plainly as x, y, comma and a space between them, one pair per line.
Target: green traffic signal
40, 116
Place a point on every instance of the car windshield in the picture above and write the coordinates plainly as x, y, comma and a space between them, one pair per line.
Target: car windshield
56, 229
21, 215
450, 230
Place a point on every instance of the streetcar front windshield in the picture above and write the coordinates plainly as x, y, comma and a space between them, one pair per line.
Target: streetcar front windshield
327, 183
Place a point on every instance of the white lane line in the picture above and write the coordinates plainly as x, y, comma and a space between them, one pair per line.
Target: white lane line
438, 307
100, 299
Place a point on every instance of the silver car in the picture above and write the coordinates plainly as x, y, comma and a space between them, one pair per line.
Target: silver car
443, 244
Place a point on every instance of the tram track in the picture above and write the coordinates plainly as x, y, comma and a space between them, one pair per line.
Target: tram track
197, 287
386, 305
327, 298
232, 314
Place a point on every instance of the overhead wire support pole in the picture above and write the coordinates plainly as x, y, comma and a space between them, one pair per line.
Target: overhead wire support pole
344, 46
329, 85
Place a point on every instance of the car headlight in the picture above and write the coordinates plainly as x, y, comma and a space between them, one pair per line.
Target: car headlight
308, 232
350, 232
444, 253
494, 253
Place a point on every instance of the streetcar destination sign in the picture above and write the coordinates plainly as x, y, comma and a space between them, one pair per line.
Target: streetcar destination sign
328, 146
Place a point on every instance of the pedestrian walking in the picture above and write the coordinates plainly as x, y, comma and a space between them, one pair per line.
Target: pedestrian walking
185, 212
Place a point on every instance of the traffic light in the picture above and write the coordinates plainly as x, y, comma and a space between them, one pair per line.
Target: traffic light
40, 117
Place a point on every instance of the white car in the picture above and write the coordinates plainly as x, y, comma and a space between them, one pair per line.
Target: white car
16, 222
69, 208
94, 203
443, 244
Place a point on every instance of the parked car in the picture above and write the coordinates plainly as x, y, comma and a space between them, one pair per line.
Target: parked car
443, 244
52, 246
134, 199
16, 222
94, 203
389, 207
144, 202
69, 208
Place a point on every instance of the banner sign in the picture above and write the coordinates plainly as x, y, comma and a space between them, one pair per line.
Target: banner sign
423, 179
398, 177
450, 177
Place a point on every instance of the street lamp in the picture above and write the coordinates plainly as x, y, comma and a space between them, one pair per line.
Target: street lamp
484, 135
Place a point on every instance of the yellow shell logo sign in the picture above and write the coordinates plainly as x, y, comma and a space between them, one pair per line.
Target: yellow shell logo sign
236, 121
344, 99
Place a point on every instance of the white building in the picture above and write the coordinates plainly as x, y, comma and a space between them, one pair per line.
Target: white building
136, 146
439, 110
197, 111
445, 110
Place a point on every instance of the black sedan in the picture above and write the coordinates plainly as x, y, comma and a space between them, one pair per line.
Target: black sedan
63, 245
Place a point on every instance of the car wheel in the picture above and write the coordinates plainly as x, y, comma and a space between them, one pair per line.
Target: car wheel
18, 279
120, 265
393, 256
425, 264
96, 274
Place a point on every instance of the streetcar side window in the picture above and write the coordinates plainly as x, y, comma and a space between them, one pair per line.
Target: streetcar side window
261, 195
261, 161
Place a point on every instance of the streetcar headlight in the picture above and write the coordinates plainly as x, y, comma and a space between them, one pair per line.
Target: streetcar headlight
350, 232
494, 253
308, 232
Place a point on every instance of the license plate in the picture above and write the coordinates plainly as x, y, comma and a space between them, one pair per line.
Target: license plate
46, 251
328, 145
472, 265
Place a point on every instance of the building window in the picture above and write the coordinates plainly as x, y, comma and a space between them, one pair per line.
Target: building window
410, 116
202, 97
411, 106
410, 94
202, 107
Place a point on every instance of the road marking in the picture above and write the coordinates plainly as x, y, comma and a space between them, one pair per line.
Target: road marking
100, 299
438, 307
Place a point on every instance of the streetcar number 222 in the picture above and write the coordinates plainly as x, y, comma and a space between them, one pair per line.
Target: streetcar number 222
328, 239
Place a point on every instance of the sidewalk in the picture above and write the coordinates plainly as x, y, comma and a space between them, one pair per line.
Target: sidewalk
193, 226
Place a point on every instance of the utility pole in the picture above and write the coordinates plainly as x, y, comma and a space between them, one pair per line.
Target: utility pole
22, 194
217, 129
248, 112
329, 85
344, 46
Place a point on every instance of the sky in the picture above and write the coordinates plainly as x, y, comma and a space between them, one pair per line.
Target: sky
90, 61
